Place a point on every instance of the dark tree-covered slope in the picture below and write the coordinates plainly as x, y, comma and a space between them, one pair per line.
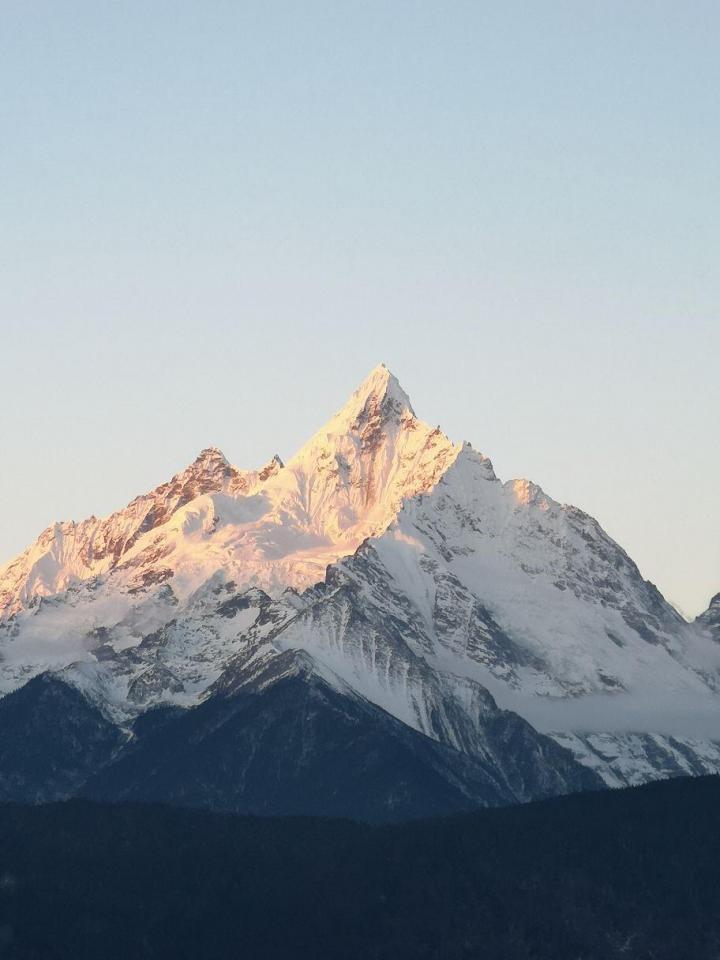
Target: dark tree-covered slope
51, 740
597, 876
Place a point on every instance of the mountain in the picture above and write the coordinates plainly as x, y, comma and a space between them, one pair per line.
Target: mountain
603, 876
710, 619
277, 527
382, 580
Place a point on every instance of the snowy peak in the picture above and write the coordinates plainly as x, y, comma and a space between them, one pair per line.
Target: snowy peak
275, 527
210, 458
351, 478
526, 492
710, 619
210, 472
67, 553
379, 395
378, 408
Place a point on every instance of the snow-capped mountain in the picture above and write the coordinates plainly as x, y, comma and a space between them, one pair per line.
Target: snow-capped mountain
407, 578
277, 527
710, 620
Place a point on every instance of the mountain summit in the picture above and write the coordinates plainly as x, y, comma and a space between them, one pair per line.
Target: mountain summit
274, 527
381, 390
420, 595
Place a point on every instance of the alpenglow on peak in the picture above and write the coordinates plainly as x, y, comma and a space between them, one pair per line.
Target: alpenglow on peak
273, 527
380, 389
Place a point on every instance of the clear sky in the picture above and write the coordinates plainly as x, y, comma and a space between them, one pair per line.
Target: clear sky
216, 217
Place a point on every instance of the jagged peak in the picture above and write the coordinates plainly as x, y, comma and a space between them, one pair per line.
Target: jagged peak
379, 406
711, 616
209, 456
382, 383
209, 466
468, 458
526, 492
272, 467
380, 392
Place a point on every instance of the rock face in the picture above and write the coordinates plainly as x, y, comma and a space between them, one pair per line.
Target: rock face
710, 620
463, 624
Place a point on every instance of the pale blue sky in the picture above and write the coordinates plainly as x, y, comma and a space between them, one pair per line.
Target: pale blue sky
216, 217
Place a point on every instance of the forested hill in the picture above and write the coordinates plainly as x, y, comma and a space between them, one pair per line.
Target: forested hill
626, 874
